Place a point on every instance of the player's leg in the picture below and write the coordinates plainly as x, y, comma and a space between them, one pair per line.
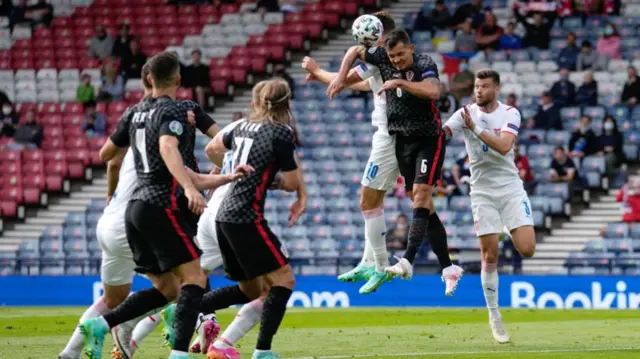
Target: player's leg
517, 216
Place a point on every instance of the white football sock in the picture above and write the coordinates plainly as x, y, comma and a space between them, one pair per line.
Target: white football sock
375, 229
179, 354
367, 255
489, 278
147, 325
247, 318
76, 343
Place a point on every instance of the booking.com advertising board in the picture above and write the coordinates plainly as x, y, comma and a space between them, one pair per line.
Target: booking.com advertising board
517, 291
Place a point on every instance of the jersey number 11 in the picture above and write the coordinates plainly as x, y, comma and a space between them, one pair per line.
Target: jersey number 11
241, 153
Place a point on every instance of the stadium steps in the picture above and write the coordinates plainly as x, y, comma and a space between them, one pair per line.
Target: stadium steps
54, 215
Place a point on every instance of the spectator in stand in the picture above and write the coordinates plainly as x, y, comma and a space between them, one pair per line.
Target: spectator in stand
121, 43
28, 134
85, 91
4, 98
40, 13
461, 174
587, 58
19, 14
462, 83
608, 46
132, 62
524, 170
466, 38
101, 44
587, 94
488, 35
548, 115
95, 123
512, 100
509, 40
562, 167
397, 237
611, 144
472, 10
631, 90
446, 103
290, 6
6, 8
437, 19
446, 186
538, 33
610, 7
629, 196
568, 57
584, 141
264, 6
197, 78
564, 91
9, 120
112, 88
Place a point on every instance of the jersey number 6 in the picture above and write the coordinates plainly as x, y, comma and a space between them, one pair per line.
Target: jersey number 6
423, 166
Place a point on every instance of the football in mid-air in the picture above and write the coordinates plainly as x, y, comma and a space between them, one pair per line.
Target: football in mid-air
366, 30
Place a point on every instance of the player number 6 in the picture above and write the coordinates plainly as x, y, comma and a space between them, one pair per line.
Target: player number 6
423, 166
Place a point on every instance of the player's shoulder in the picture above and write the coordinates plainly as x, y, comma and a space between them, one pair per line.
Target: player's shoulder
187, 105
508, 111
228, 128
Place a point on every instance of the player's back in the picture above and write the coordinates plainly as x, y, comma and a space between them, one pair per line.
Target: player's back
127, 183
227, 168
255, 143
149, 121
490, 169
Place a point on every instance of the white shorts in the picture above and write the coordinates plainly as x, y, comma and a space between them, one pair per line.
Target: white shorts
492, 214
207, 238
117, 259
381, 171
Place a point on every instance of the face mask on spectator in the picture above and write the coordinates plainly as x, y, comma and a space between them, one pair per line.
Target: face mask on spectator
608, 31
464, 67
608, 126
6, 110
402, 226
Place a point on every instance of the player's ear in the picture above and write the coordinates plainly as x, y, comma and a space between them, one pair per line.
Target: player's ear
149, 79
253, 105
178, 80
412, 47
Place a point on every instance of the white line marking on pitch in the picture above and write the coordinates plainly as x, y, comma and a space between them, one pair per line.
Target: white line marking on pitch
467, 353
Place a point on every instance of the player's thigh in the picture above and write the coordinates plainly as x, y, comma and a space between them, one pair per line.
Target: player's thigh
257, 248
489, 247
518, 218
173, 243
429, 156
486, 216
232, 268
381, 171
117, 259
406, 160
208, 242
139, 242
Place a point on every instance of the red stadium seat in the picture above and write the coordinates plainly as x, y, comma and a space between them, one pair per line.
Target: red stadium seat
62, 42
43, 44
206, 19
6, 64
145, 21
45, 53
35, 181
134, 96
55, 155
11, 167
184, 94
10, 156
51, 120
167, 11
58, 168
44, 64
76, 143
52, 132
84, 11
191, 29
239, 51
78, 156
32, 155
167, 20
175, 40
102, 11
219, 86
22, 108
5, 55
228, 8
33, 167
82, 22
21, 54
221, 73
21, 44
67, 64
66, 53
48, 108
61, 21
88, 63
95, 143
76, 170
52, 143
73, 108
73, 121
12, 193
187, 10
259, 64
54, 183
207, 9
105, 21
32, 196
13, 180
9, 209
123, 11
256, 40
117, 107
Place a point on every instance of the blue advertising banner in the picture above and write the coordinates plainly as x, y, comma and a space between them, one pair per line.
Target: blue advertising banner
597, 292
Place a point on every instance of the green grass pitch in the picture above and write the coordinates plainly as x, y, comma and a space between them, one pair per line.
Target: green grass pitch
37, 333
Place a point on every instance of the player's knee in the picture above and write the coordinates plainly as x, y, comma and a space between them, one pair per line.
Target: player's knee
422, 196
169, 287
283, 277
490, 257
197, 278
113, 298
528, 250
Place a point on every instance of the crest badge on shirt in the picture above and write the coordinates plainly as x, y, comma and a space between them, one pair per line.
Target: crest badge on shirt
410, 75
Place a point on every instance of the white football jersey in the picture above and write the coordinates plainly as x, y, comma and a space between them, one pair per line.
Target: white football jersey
227, 167
491, 172
372, 74
127, 183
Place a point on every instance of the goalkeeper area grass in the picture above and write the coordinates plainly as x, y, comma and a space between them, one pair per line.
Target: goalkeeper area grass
37, 333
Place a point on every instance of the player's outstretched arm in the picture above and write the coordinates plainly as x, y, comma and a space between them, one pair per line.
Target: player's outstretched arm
353, 80
212, 181
350, 57
501, 144
215, 150
113, 174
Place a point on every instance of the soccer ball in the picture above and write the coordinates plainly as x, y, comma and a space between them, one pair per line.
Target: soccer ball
366, 30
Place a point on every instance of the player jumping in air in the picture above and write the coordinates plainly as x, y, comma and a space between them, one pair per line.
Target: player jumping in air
498, 198
380, 173
411, 87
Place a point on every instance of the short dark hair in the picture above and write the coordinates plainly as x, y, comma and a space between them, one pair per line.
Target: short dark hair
586, 43
143, 73
196, 51
488, 73
561, 148
89, 104
388, 24
163, 67
396, 36
587, 117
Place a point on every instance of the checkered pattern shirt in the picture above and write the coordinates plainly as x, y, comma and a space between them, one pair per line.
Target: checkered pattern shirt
203, 122
141, 126
408, 114
269, 148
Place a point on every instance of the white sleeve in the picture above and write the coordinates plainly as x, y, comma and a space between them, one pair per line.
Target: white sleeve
366, 71
512, 121
454, 124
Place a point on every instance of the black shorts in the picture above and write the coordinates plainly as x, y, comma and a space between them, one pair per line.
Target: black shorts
420, 159
160, 238
249, 250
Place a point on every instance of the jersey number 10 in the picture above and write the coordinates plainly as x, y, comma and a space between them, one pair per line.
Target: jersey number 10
241, 152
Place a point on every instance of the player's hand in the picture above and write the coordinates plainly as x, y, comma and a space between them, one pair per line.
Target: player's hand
309, 64
466, 116
191, 118
335, 86
195, 199
310, 78
296, 209
109, 198
389, 85
241, 171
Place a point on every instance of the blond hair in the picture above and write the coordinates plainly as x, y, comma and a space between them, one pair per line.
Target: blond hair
273, 102
256, 101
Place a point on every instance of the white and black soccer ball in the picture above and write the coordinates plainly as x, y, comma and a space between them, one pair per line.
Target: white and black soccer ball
366, 30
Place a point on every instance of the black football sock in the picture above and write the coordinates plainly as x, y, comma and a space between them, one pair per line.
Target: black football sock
417, 233
273, 311
187, 310
437, 236
135, 305
207, 288
222, 298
